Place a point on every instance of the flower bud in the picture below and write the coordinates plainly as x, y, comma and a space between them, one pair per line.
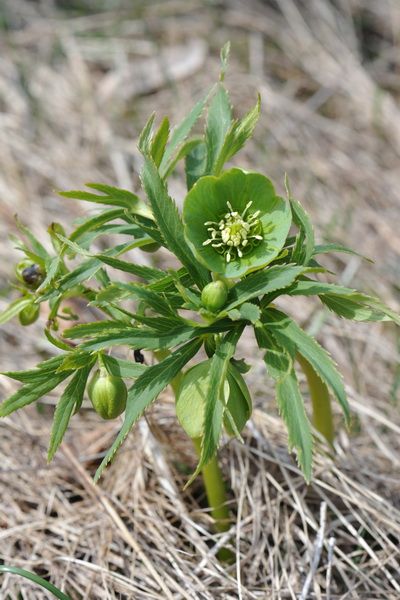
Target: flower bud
108, 394
29, 273
214, 295
29, 314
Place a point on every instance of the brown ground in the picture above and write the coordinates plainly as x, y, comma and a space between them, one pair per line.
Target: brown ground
76, 85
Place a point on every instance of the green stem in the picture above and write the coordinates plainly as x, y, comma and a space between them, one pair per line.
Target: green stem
217, 499
215, 490
320, 399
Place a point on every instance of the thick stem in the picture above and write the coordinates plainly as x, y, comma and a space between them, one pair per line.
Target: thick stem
320, 399
217, 500
215, 490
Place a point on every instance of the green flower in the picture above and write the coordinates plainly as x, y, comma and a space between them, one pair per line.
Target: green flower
235, 223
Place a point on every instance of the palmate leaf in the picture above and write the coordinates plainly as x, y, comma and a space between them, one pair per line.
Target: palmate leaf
214, 410
294, 339
71, 397
169, 221
146, 389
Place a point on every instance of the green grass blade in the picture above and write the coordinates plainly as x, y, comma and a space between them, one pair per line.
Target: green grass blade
36, 579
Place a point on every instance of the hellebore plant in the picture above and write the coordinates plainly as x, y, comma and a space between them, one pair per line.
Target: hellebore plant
240, 246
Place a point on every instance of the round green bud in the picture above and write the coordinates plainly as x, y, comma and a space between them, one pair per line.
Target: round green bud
214, 295
29, 314
108, 394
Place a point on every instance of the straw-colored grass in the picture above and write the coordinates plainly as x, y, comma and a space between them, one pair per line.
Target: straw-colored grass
75, 90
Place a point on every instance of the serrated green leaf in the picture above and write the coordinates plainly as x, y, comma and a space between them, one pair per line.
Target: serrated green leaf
75, 360
195, 163
169, 221
71, 397
152, 299
345, 302
141, 338
240, 131
250, 312
36, 246
14, 308
359, 307
95, 328
146, 134
53, 266
31, 392
145, 390
214, 412
148, 273
179, 135
224, 56
159, 142
304, 246
262, 282
112, 196
96, 221
149, 227
289, 335
40, 372
328, 248
219, 119
88, 269
123, 368
291, 407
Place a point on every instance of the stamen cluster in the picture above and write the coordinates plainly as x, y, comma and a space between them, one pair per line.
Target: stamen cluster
236, 233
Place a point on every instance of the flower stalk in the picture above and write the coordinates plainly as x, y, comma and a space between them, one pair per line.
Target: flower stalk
320, 400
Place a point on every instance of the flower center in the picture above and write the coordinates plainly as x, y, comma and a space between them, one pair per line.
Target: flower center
235, 234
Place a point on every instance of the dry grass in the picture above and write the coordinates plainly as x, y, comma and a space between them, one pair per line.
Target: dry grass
74, 91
